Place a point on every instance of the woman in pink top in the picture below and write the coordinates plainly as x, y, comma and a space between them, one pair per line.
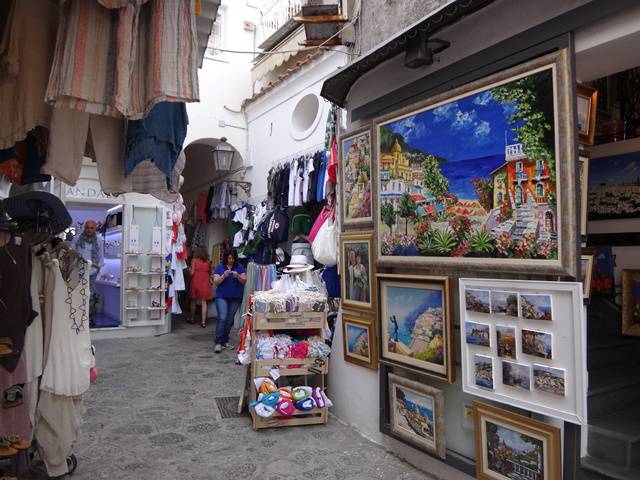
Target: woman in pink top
200, 287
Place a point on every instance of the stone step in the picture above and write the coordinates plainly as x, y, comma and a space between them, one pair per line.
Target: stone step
612, 389
609, 351
616, 438
597, 469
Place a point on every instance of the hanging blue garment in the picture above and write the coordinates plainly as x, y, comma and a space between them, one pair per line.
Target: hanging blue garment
157, 137
322, 176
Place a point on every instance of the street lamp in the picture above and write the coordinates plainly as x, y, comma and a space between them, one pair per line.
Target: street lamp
223, 154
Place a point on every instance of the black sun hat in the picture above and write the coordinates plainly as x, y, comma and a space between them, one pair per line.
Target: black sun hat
41, 208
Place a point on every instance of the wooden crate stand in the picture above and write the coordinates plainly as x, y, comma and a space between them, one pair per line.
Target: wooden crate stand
303, 367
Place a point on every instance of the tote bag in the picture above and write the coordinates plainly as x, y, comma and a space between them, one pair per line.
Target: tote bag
325, 245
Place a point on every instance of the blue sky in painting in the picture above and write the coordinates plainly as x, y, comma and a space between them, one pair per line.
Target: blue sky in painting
401, 301
425, 405
614, 170
353, 332
519, 442
468, 128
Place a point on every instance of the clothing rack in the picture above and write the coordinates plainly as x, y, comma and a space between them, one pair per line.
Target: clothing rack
291, 156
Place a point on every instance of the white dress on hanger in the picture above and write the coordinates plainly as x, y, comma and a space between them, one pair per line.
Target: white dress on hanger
34, 337
66, 371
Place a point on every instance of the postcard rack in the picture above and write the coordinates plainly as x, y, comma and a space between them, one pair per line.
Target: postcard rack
312, 370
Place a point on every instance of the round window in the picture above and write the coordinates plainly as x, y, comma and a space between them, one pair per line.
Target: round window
305, 116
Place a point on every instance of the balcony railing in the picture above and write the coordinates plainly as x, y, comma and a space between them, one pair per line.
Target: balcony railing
521, 177
278, 14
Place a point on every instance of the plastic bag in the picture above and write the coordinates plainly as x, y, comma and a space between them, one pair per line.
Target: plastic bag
325, 245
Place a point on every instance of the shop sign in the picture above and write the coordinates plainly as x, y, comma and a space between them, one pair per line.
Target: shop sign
86, 193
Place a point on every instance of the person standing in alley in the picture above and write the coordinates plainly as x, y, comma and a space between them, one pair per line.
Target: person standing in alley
89, 246
200, 286
230, 278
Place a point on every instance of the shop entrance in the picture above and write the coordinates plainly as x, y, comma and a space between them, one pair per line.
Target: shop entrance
104, 306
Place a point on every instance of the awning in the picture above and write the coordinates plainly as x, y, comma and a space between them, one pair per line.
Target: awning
204, 24
336, 88
270, 62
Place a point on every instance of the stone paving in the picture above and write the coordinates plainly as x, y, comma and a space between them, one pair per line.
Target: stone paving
152, 415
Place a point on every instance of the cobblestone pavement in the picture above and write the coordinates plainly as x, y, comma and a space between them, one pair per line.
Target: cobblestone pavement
152, 415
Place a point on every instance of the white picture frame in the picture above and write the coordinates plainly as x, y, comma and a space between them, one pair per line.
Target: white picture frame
568, 337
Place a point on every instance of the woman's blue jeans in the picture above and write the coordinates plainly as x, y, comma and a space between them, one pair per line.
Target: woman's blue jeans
227, 308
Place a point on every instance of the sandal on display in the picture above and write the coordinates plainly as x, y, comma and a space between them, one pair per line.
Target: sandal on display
12, 396
6, 346
6, 450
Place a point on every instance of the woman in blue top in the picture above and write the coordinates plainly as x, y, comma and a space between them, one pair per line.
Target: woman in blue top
230, 278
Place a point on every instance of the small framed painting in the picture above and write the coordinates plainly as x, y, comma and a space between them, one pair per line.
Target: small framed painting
587, 103
417, 414
631, 302
416, 324
357, 271
355, 177
359, 341
587, 260
508, 443
583, 183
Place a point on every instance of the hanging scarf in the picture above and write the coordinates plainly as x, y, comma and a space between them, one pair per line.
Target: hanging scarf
93, 241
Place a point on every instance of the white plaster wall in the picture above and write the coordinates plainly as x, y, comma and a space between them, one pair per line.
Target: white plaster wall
269, 120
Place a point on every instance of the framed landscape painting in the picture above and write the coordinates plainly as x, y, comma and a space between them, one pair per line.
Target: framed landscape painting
417, 414
587, 262
357, 271
359, 341
355, 176
416, 324
512, 446
631, 302
473, 177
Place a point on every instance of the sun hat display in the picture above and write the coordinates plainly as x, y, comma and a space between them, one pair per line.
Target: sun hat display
298, 264
41, 208
302, 248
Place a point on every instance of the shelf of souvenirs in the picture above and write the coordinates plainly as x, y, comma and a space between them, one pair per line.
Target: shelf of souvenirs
140, 307
140, 290
108, 283
140, 272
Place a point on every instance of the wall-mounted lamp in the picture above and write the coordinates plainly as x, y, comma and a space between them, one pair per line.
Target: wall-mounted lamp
420, 50
223, 154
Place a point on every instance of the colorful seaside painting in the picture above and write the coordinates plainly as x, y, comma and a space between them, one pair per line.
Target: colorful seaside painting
537, 344
506, 340
512, 454
358, 341
504, 303
356, 178
516, 375
477, 301
473, 177
614, 187
483, 371
548, 379
478, 334
413, 324
535, 307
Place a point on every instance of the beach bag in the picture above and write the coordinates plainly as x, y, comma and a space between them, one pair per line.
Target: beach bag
322, 217
325, 245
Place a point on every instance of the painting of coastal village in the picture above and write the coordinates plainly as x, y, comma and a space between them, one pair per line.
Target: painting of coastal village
537, 344
358, 341
512, 454
483, 371
478, 334
504, 303
547, 379
356, 178
413, 413
477, 301
473, 178
413, 324
614, 187
516, 375
535, 307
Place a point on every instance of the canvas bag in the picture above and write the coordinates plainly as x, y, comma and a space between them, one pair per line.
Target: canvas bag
325, 244
322, 217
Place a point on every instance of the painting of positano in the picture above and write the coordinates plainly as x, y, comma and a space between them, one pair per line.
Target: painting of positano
474, 177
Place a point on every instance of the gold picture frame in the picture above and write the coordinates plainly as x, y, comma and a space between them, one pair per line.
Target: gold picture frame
496, 429
404, 301
583, 183
587, 261
410, 404
360, 345
587, 103
355, 177
630, 305
357, 278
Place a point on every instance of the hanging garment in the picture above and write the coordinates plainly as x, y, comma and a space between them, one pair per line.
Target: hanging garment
115, 57
15, 298
66, 370
147, 178
67, 142
157, 137
293, 176
15, 420
26, 51
34, 337
58, 419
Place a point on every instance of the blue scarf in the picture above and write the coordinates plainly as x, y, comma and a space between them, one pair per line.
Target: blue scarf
95, 253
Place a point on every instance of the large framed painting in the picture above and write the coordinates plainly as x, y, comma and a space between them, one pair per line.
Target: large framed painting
417, 414
482, 177
524, 344
416, 324
614, 180
359, 341
355, 177
631, 302
512, 446
357, 271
